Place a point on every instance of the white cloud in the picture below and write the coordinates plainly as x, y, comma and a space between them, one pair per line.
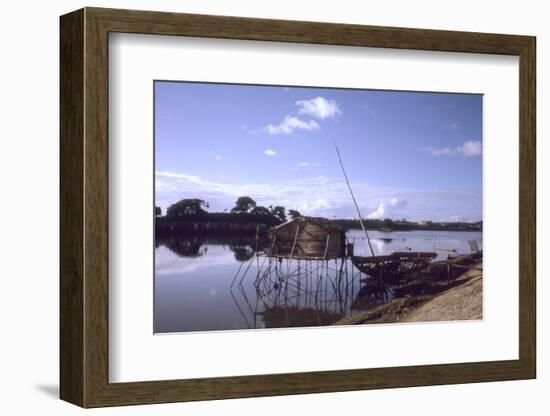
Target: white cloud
470, 148
373, 112
388, 209
314, 205
319, 196
309, 165
460, 218
467, 149
270, 152
290, 123
184, 176
319, 108
441, 152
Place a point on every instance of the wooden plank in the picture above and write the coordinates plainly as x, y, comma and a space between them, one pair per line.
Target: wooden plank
71, 219
528, 209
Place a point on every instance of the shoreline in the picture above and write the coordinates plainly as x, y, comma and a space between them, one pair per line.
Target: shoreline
248, 223
432, 297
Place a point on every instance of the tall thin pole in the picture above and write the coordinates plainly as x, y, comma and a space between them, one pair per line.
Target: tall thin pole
354, 201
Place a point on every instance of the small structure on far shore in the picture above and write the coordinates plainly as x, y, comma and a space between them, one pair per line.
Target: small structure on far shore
307, 238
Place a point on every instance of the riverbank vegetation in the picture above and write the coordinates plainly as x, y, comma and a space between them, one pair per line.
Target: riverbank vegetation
246, 216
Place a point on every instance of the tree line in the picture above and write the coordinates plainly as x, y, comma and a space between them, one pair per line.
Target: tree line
245, 209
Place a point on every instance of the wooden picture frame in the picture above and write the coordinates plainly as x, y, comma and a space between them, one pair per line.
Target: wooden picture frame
84, 207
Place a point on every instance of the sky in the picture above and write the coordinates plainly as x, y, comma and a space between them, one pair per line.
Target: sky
412, 155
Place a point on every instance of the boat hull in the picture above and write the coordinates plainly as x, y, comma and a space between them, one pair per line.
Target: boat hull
395, 264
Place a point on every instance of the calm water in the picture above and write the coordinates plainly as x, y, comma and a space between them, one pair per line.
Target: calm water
205, 284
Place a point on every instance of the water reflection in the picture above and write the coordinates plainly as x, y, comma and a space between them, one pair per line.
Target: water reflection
243, 247
219, 283
188, 247
243, 253
317, 291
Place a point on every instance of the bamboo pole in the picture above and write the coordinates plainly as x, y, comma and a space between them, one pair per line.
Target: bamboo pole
256, 248
322, 266
354, 201
293, 246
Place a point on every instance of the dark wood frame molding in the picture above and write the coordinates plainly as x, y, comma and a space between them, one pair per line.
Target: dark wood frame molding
84, 207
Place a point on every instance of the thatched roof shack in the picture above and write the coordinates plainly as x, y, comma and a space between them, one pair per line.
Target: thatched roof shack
312, 238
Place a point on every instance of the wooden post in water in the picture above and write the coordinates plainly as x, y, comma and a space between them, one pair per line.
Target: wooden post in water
256, 248
322, 265
354, 201
293, 246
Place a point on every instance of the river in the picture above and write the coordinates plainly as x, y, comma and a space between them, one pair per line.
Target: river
207, 284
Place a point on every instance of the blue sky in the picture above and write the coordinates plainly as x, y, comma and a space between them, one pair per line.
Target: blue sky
408, 154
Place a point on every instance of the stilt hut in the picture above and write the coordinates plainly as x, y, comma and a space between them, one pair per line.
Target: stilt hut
307, 238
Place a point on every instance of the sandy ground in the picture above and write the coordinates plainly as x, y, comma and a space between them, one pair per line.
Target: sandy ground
459, 303
462, 301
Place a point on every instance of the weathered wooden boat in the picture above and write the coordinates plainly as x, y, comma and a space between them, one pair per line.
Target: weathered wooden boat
394, 264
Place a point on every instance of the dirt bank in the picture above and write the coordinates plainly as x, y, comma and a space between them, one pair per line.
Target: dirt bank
435, 299
459, 303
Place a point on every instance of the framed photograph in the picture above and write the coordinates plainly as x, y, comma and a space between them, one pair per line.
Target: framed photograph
255, 207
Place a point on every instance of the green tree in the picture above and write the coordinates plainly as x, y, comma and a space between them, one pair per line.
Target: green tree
243, 204
158, 212
388, 223
278, 212
263, 211
186, 207
294, 213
